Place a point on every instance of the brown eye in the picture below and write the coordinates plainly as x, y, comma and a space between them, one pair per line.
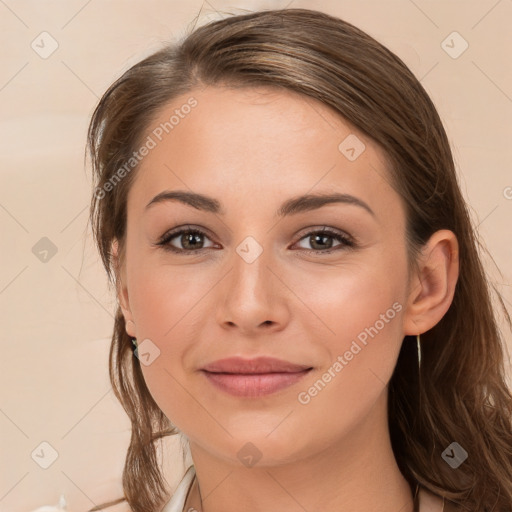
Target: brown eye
322, 241
188, 240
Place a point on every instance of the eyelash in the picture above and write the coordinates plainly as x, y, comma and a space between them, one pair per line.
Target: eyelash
347, 242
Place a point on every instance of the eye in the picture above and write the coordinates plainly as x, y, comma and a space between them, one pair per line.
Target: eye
188, 238
320, 239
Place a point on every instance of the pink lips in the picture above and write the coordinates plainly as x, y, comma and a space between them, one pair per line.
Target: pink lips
253, 377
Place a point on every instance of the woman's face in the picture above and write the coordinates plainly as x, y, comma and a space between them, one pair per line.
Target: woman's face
259, 279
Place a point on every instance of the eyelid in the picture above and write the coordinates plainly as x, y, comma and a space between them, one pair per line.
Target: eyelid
327, 230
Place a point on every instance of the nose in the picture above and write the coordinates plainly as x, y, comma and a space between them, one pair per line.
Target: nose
251, 297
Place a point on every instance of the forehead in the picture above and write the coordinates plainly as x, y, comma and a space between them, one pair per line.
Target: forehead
260, 144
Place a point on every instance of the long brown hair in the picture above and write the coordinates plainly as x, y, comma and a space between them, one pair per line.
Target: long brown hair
461, 393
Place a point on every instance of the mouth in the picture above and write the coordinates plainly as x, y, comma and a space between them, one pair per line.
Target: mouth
254, 377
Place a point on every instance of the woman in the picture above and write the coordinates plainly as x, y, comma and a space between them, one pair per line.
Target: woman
277, 205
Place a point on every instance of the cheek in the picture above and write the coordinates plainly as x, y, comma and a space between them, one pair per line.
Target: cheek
357, 312
347, 301
169, 307
353, 311
164, 298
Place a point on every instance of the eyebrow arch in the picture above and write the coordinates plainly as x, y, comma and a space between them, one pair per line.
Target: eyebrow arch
291, 206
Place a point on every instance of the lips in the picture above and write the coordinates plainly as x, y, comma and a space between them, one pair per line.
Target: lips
257, 365
253, 377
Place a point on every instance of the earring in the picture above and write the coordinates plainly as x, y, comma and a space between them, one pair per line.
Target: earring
134, 341
419, 350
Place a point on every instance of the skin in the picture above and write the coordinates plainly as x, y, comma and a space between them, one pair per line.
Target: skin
252, 149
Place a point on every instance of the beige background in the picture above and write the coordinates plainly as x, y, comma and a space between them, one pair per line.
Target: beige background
57, 316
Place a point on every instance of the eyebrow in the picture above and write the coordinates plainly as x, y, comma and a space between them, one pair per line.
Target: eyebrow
292, 206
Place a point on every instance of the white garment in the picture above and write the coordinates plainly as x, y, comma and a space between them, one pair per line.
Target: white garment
428, 502
177, 502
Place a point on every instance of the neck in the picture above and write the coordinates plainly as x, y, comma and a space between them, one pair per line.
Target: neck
357, 473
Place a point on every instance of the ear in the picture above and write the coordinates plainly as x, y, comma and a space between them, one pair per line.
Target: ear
122, 290
432, 285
